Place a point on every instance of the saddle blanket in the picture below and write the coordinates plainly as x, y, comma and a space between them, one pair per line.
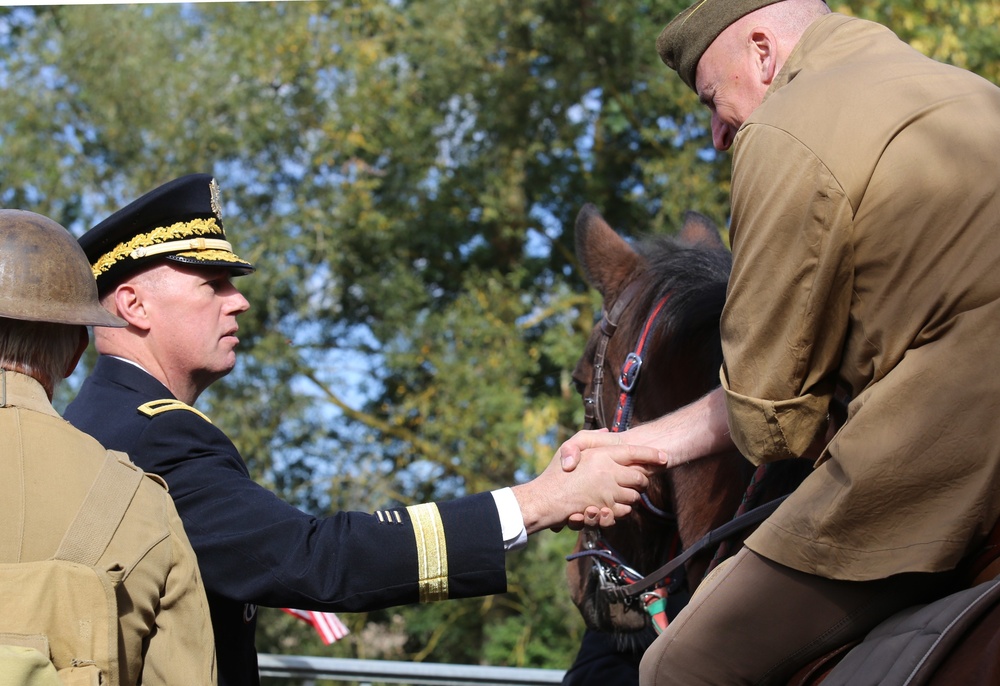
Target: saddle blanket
907, 648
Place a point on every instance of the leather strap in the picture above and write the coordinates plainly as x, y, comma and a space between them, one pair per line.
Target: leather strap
594, 411
731, 528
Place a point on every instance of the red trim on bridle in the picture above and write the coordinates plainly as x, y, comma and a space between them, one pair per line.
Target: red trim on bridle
630, 372
592, 405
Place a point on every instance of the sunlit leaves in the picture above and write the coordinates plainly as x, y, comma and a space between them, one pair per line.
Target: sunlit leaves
405, 176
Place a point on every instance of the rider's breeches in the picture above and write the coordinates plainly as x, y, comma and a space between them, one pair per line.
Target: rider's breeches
758, 622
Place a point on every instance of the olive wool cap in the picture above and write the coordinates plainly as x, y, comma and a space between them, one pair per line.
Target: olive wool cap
685, 39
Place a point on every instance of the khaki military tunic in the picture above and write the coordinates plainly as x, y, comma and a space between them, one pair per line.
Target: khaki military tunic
48, 466
866, 261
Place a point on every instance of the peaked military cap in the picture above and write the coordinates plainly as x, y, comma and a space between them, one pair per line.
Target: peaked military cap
180, 221
686, 38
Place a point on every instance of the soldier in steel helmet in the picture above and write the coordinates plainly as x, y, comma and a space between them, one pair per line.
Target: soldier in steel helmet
47, 300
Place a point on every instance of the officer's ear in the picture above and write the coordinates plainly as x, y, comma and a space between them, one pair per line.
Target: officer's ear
129, 305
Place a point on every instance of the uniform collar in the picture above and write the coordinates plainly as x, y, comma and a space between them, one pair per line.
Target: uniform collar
817, 32
21, 390
127, 373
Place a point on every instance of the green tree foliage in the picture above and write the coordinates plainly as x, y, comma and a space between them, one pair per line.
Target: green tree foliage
405, 175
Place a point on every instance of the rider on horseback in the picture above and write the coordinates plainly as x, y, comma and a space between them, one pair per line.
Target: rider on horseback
863, 206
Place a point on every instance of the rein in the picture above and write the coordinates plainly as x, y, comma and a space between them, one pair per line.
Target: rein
713, 537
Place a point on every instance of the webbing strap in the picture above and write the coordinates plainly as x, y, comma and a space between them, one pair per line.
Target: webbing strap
655, 603
102, 511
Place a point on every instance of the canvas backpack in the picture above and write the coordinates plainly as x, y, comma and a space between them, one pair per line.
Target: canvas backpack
59, 617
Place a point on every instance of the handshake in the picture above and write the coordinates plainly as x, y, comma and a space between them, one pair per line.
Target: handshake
593, 479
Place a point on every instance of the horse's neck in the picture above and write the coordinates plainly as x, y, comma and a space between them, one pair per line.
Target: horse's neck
707, 493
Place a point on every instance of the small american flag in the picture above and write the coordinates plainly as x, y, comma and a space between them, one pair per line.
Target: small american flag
327, 625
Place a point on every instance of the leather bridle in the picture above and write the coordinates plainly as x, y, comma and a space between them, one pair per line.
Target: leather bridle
593, 406
614, 574
619, 581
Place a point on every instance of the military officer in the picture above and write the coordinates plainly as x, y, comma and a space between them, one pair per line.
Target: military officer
164, 265
52, 472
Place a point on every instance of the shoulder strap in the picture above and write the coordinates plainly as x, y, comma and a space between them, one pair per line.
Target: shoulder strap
102, 510
155, 407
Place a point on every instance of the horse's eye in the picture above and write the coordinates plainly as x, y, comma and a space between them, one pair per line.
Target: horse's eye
580, 387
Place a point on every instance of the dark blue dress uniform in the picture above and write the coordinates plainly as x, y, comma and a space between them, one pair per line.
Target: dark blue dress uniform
253, 548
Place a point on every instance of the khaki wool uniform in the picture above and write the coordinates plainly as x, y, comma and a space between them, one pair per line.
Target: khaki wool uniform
866, 216
48, 467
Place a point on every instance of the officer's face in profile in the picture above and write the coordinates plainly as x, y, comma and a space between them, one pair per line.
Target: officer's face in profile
192, 320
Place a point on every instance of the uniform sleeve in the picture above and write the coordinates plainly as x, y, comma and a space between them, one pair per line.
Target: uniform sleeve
253, 547
182, 649
788, 304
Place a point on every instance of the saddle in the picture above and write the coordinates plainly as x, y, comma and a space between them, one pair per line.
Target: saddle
954, 640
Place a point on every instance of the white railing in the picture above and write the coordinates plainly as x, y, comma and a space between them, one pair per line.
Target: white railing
304, 669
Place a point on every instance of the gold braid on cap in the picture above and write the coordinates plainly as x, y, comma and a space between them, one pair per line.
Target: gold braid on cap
197, 227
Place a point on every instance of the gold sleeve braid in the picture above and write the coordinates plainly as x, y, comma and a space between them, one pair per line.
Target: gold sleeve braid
432, 552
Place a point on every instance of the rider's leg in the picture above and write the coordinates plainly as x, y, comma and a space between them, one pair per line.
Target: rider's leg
758, 622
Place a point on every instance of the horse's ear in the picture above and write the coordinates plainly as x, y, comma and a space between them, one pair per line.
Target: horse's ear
606, 258
700, 230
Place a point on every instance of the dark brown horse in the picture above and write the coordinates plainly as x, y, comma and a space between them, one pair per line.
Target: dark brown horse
686, 278
662, 300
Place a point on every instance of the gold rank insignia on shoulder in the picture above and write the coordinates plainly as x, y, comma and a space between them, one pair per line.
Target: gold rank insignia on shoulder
388, 516
155, 407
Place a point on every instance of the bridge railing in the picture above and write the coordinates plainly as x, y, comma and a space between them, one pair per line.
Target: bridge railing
289, 670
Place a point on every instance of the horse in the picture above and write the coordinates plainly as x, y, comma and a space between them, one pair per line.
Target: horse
662, 301
668, 293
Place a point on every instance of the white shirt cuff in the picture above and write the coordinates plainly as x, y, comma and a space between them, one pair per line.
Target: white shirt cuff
511, 520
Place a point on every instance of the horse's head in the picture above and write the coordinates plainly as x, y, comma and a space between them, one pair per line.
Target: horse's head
662, 303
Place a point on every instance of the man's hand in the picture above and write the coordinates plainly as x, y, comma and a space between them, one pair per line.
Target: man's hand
615, 446
608, 478
694, 431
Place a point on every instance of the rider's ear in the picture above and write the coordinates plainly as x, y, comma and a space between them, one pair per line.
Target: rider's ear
763, 47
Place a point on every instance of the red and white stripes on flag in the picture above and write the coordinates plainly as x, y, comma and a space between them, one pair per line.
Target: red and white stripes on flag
327, 625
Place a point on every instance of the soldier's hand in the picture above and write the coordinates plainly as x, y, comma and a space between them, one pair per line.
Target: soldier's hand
614, 445
605, 483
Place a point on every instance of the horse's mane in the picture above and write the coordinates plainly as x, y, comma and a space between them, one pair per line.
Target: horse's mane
695, 276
